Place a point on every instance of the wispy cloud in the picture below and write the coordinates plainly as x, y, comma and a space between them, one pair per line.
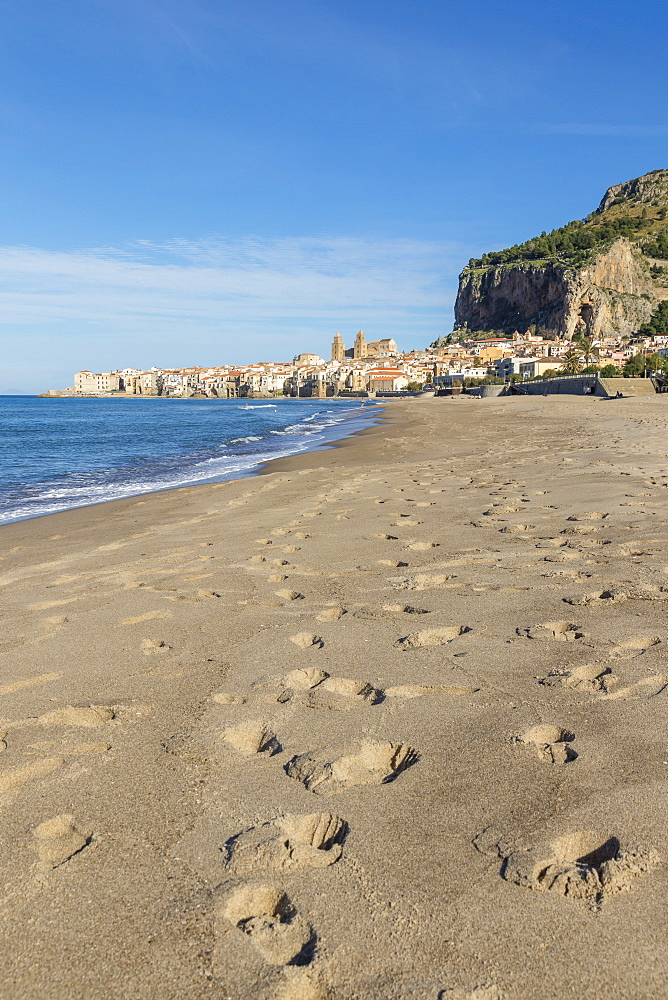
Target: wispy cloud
222, 298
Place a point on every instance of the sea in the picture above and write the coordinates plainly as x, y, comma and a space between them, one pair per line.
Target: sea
64, 452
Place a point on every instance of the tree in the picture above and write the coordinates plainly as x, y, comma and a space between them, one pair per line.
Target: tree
571, 362
658, 323
635, 367
586, 344
610, 371
656, 363
643, 364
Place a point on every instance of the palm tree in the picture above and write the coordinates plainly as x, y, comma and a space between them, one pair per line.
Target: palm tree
571, 362
585, 344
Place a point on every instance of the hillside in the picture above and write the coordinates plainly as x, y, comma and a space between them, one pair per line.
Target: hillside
602, 275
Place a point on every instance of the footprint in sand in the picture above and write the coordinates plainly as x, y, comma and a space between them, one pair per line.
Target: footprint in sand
584, 865
422, 581
561, 631
66, 750
648, 687
302, 984
152, 646
561, 557
278, 686
432, 637
418, 690
597, 598
267, 916
313, 688
314, 840
331, 614
634, 647
332, 769
340, 694
307, 640
58, 839
590, 677
225, 698
89, 717
551, 742
485, 991
252, 737
388, 612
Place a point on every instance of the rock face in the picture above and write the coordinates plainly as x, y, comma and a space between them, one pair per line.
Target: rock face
613, 295
613, 291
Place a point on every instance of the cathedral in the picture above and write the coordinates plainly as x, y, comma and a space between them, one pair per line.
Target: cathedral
375, 348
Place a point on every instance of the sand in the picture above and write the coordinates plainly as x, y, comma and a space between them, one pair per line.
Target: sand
386, 721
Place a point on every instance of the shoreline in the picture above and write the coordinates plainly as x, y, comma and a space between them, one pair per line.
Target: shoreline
402, 641
249, 472
282, 464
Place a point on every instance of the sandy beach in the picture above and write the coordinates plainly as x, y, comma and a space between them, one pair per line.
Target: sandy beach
385, 722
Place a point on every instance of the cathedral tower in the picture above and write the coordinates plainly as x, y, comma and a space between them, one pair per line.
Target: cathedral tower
360, 345
338, 348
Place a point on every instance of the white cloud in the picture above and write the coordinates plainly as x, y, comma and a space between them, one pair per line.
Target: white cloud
230, 298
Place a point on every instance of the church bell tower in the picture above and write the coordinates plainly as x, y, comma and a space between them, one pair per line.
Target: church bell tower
338, 348
360, 345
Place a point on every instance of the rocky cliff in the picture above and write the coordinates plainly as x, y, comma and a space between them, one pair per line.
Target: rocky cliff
600, 276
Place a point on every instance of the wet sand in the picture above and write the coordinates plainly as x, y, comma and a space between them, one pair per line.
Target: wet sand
386, 721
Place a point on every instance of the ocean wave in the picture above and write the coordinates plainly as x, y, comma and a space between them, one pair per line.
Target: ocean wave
150, 455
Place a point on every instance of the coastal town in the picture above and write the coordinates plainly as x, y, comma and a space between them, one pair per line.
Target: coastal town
379, 366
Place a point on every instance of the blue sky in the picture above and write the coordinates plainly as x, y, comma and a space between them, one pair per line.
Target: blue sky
229, 181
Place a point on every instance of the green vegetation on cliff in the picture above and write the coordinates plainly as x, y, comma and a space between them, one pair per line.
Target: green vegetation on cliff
658, 324
636, 210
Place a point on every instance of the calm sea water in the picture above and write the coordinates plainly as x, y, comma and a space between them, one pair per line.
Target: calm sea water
61, 453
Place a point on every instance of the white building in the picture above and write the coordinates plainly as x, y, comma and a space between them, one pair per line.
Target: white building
97, 383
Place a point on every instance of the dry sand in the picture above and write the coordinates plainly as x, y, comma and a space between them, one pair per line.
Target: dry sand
388, 721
